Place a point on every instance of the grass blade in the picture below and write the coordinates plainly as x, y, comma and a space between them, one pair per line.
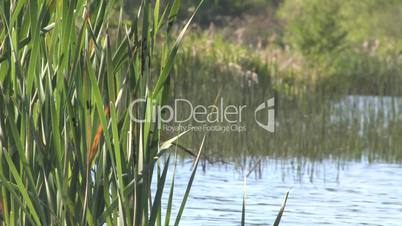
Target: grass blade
158, 196
190, 183
22, 189
243, 211
170, 200
279, 216
169, 63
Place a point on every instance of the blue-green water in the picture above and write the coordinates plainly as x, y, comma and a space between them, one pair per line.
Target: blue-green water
340, 159
328, 193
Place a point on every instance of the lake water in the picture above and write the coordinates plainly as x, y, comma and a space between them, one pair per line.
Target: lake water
330, 183
326, 193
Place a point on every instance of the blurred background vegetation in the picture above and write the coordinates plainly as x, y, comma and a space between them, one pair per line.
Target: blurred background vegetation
345, 46
312, 55
309, 54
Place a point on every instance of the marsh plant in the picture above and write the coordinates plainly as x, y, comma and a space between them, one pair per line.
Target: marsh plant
69, 153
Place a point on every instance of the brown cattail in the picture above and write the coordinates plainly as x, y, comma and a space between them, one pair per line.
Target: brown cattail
95, 143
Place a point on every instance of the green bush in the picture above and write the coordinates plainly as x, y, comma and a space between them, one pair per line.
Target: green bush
314, 26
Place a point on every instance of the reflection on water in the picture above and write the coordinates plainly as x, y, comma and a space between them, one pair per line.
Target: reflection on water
325, 134
351, 193
314, 127
311, 122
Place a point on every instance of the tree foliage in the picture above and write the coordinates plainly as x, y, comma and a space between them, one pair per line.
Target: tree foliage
314, 26
322, 26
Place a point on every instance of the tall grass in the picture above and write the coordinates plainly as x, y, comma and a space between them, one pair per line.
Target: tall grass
69, 153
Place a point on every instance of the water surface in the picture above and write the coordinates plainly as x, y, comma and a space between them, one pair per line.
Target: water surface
346, 151
326, 193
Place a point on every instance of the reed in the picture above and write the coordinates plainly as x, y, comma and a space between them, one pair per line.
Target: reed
69, 153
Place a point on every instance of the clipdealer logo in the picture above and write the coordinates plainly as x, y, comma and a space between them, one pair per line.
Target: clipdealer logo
267, 106
208, 118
